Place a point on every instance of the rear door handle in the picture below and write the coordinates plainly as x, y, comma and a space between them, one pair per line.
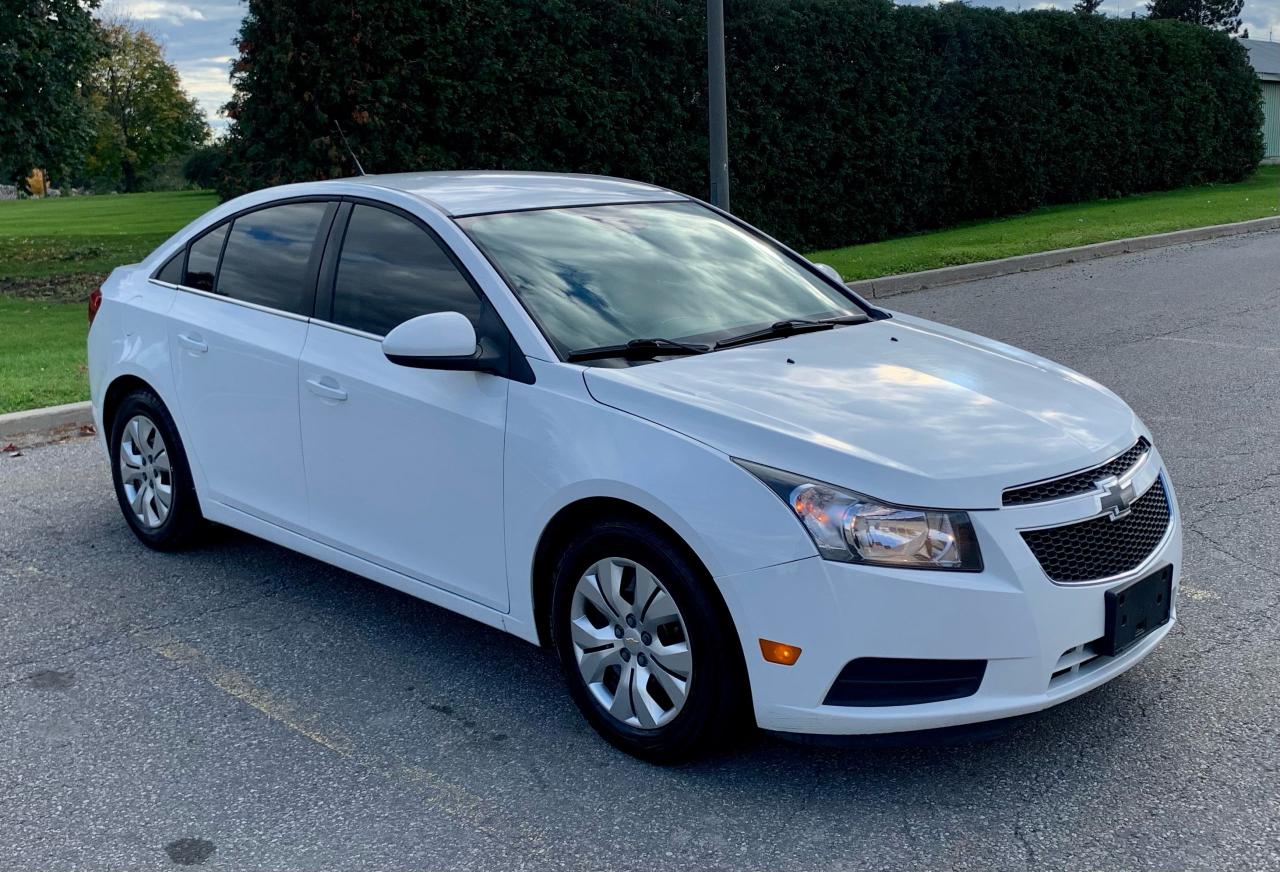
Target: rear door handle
327, 388
193, 342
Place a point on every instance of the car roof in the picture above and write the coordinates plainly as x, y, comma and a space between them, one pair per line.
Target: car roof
459, 193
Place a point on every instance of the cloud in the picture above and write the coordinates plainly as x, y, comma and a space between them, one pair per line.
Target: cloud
1263, 19
209, 83
157, 10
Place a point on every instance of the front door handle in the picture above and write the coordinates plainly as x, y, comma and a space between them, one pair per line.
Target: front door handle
193, 343
327, 388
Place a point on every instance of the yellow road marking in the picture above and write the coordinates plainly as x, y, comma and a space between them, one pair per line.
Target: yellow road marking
474, 811
1195, 593
239, 686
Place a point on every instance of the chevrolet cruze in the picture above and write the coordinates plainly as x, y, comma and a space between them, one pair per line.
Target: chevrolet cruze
611, 419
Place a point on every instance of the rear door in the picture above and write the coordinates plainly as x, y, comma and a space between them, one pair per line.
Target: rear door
404, 466
236, 337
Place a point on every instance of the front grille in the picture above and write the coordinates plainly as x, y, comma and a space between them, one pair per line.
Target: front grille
1077, 482
1100, 547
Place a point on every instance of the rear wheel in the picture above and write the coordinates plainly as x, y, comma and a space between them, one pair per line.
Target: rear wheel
152, 479
649, 657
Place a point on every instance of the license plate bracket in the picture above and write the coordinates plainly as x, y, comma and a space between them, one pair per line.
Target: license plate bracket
1135, 610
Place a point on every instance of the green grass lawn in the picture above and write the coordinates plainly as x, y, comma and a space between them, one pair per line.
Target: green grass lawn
1063, 227
78, 235
41, 354
52, 254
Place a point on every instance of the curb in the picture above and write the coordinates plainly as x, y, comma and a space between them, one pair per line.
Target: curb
888, 286
44, 425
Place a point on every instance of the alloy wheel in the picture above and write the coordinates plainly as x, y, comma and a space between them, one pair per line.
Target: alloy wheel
630, 643
145, 472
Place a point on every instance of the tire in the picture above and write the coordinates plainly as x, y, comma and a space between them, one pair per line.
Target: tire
593, 638
143, 439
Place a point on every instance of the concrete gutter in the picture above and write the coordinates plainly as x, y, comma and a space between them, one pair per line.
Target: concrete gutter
889, 286
46, 425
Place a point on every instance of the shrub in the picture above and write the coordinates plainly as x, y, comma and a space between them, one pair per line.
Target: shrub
849, 120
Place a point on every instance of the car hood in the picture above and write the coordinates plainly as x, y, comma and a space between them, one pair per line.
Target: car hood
902, 409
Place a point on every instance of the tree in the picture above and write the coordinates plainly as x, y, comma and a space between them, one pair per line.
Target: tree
1087, 7
143, 116
1222, 15
204, 166
46, 50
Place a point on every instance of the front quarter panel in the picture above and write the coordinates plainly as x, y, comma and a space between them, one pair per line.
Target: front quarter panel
563, 446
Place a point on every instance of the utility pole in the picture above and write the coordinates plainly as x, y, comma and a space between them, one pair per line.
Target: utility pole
717, 105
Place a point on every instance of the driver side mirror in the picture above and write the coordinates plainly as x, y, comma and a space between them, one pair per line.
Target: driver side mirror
830, 272
440, 340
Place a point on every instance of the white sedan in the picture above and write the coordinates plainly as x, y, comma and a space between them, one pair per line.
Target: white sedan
606, 417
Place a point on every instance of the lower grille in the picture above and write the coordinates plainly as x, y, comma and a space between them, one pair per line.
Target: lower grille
1074, 662
880, 681
1100, 548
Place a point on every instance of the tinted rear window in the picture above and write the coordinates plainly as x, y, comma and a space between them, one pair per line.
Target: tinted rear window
202, 262
171, 272
268, 257
392, 270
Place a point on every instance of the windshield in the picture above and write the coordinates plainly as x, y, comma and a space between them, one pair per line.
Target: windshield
604, 275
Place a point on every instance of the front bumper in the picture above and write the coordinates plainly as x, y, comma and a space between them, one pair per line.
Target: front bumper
1033, 633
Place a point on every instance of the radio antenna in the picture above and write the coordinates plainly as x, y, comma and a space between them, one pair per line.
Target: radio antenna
350, 151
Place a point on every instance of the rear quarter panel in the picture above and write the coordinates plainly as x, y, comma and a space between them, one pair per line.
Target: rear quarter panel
129, 337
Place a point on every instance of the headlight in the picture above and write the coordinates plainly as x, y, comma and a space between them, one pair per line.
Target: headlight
854, 528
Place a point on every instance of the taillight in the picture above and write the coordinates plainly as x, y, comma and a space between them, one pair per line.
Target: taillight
95, 303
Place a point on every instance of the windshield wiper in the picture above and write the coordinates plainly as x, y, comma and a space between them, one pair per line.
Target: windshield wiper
790, 327
637, 349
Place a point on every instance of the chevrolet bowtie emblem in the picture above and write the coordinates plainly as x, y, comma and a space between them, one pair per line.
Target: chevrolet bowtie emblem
1116, 499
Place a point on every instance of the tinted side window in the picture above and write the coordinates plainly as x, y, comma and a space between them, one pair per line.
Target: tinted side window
202, 261
268, 257
171, 272
392, 270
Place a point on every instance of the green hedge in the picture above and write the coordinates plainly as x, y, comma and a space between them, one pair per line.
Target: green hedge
850, 120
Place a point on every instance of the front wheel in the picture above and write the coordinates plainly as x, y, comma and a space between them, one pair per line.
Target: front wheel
649, 656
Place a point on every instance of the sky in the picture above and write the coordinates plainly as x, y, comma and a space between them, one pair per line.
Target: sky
197, 36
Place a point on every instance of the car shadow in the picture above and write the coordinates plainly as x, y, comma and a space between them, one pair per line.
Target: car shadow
506, 715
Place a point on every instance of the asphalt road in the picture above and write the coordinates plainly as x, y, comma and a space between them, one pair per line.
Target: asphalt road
245, 707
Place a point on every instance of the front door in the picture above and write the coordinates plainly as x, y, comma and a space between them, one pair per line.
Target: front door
403, 465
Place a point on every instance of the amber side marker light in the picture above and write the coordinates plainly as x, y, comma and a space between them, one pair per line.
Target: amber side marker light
777, 652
